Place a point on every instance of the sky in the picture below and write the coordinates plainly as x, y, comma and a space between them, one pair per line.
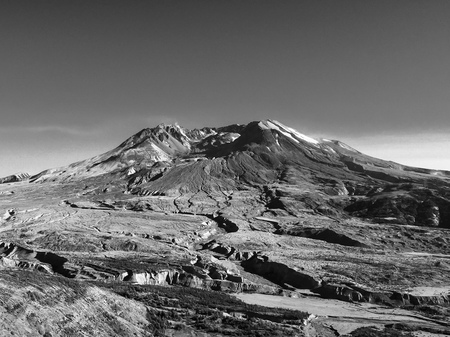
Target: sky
79, 77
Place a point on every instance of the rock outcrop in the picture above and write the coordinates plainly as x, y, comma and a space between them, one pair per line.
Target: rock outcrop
14, 178
351, 293
404, 204
279, 273
323, 234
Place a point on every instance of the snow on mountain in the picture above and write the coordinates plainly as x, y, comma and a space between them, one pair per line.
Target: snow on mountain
287, 131
255, 153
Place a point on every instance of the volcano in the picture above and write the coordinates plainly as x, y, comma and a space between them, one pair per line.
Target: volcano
158, 231
169, 160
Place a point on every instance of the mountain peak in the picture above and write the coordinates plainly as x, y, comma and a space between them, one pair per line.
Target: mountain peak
267, 145
287, 131
167, 126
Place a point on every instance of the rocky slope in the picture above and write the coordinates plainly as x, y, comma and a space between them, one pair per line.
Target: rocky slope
169, 160
14, 178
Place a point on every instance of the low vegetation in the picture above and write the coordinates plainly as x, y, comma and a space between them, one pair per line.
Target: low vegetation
375, 332
209, 311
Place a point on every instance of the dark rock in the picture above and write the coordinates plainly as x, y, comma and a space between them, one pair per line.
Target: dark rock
339, 292
323, 234
15, 178
229, 225
279, 273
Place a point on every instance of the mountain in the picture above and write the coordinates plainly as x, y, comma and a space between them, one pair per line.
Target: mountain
169, 160
150, 239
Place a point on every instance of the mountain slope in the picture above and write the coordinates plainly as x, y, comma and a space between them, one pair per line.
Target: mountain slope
169, 160
270, 141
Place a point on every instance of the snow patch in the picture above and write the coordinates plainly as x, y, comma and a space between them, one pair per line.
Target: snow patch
287, 131
300, 135
275, 127
263, 125
329, 149
233, 137
345, 146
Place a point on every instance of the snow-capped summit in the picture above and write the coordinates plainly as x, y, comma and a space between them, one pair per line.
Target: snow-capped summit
259, 152
287, 131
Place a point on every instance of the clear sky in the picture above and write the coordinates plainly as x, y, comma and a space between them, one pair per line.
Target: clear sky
78, 77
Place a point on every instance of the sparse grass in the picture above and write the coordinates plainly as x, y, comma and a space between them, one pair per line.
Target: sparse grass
209, 311
375, 332
43, 284
440, 312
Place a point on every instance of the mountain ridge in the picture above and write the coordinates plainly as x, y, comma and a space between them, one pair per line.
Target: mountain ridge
164, 143
169, 160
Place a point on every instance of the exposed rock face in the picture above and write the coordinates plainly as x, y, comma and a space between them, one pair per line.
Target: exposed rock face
428, 214
14, 178
323, 234
219, 248
280, 273
226, 223
9, 214
14, 255
205, 275
406, 299
164, 277
340, 292
405, 204
356, 294
213, 275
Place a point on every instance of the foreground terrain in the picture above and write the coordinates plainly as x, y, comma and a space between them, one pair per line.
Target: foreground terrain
206, 232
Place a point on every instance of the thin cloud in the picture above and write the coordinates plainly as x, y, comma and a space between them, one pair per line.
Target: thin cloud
425, 149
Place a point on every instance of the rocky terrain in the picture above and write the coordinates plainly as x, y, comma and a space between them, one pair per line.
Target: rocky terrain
157, 236
14, 178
